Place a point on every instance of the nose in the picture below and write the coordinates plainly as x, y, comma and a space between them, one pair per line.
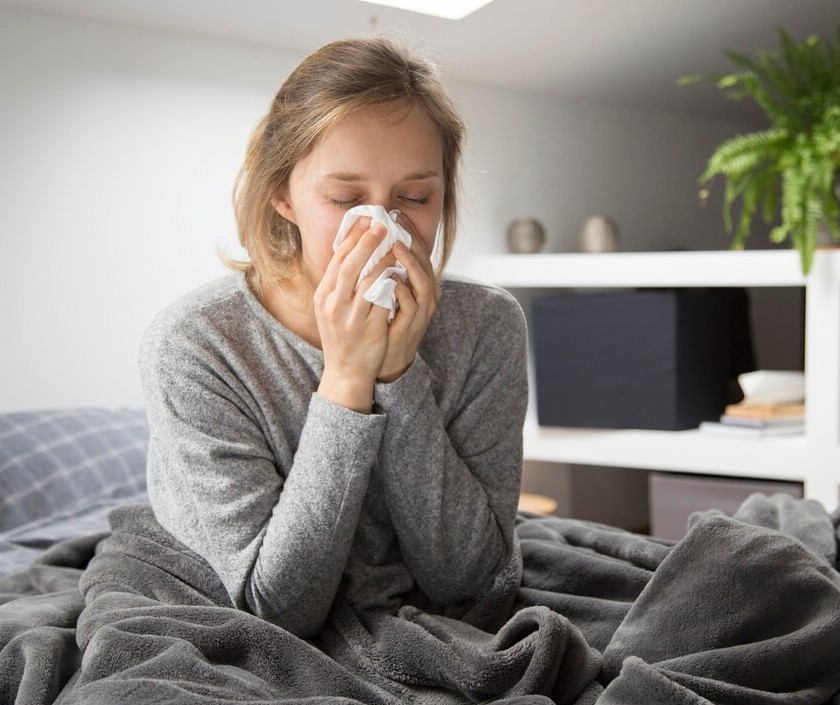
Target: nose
384, 199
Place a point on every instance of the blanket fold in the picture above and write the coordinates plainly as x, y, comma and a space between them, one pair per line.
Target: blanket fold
38, 613
743, 610
749, 615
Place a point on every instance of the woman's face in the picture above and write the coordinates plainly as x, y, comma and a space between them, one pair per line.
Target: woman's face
390, 156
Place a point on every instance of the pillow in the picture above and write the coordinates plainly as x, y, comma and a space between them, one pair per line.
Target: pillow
54, 462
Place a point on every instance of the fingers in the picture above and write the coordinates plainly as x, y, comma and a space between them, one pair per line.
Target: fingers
345, 246
355, 260
360, 226
408, 305
421, 277
418, 246
419, 252
342, 272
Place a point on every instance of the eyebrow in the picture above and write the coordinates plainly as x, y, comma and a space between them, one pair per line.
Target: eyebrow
351, 177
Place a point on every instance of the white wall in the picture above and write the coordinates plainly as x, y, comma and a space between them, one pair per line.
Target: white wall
119, 153
119, 149
534, 155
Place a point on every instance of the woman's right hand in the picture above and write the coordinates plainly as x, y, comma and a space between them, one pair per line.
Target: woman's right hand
353, 332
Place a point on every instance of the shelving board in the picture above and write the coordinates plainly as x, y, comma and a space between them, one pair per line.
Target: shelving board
783, 458
642, 269
813, 458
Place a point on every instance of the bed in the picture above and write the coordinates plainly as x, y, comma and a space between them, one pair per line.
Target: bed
99, 605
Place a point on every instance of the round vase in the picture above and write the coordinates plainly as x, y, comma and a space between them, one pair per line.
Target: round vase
526, 235
599, 233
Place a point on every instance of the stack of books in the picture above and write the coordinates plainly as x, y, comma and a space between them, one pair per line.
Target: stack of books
758, 420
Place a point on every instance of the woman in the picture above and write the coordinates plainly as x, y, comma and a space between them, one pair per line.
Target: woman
353, 480
310, 450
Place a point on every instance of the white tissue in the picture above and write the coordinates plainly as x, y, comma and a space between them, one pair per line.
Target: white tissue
382, 291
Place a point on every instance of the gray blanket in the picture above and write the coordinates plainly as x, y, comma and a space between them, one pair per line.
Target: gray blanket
743, 610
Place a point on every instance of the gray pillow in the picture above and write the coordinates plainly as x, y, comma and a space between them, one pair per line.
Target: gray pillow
55, 462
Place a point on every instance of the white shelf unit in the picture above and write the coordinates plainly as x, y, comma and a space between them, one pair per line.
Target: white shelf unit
813, 458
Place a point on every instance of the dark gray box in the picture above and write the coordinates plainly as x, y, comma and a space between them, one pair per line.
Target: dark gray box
674, 498
650, 359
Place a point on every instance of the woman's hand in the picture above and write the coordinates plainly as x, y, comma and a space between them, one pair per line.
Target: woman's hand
354, 333
418, 299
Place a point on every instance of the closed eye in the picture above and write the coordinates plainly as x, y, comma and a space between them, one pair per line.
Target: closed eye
343, 204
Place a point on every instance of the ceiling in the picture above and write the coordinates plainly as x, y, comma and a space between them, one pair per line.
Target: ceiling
623, 52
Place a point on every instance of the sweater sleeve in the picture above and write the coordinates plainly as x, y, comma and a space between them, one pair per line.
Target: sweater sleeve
278, 540
453, 485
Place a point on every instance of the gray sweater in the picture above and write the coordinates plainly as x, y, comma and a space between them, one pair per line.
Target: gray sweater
297, 502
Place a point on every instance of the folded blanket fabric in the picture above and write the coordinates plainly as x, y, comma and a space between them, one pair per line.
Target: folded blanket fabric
38, 613
737, 612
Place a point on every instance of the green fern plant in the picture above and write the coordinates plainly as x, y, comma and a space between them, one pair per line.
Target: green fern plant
786, 172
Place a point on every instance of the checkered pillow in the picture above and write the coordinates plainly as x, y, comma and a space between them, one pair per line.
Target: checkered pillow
58, 461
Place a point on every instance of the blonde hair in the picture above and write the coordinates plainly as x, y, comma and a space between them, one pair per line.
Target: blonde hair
334, 81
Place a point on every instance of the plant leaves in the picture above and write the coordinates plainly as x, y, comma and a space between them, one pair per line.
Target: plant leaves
791, 167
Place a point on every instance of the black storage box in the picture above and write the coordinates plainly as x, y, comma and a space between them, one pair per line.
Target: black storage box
649, 359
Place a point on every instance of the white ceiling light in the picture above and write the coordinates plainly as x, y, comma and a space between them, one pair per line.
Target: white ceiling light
448, 9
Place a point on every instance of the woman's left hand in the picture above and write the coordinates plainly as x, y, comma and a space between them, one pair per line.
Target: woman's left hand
418, 298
